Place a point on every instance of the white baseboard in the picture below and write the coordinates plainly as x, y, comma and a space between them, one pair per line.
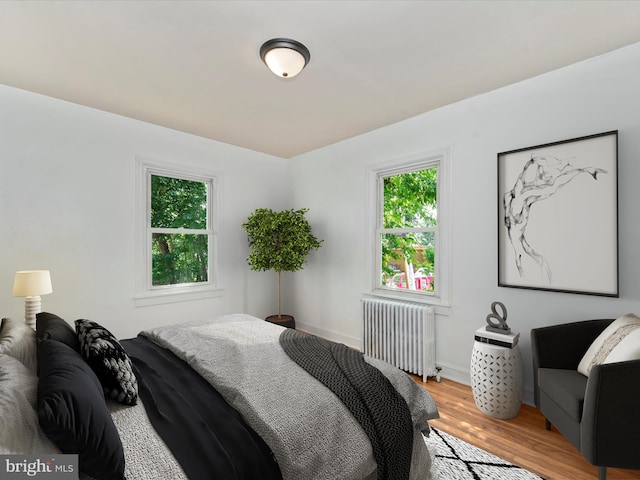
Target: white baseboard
453, 373
527, 398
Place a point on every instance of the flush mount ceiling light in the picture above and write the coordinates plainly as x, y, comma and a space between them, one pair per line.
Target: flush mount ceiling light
284, 57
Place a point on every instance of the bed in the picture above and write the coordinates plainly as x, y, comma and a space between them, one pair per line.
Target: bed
232, 397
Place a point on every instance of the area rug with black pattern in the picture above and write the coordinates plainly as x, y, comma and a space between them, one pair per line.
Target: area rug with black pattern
455, 459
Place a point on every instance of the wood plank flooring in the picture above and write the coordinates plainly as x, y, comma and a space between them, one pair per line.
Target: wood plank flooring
522, 440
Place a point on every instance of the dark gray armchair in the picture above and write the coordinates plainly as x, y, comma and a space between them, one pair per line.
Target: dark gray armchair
599, 414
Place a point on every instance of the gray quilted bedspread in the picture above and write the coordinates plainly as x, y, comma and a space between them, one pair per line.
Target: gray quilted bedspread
311, 433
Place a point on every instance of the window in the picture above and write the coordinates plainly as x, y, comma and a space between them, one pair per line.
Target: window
410, 228
177, 234
179, 231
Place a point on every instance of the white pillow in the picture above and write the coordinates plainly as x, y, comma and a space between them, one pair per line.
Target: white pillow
18, 340
19, 428
619, 342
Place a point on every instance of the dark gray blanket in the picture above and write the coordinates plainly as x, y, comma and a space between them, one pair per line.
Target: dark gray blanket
366, 392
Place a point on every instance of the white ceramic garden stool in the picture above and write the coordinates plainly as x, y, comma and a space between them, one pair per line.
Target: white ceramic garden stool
496, 379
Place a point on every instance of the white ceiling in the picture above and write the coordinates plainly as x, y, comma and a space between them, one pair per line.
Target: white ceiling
194, 65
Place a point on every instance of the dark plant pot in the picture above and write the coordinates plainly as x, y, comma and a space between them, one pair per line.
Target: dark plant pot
282, 320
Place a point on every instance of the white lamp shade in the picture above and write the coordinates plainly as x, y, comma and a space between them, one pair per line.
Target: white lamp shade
31, 283
284, 62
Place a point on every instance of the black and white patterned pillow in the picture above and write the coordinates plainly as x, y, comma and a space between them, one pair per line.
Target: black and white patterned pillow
109, 361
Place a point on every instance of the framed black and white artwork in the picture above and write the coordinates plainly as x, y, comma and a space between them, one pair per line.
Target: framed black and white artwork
558, 216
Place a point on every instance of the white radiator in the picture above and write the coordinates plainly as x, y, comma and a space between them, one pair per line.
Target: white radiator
402, 334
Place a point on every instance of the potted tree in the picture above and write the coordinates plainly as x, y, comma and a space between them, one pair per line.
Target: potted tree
279, 241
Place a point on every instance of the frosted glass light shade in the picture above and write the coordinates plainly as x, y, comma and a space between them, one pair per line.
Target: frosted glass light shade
284, 57
284, 62
30, 283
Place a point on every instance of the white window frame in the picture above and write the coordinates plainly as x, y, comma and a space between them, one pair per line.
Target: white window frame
441, 159
147, 293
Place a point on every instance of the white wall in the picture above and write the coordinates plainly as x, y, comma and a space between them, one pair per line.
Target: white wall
594, 96
67, 179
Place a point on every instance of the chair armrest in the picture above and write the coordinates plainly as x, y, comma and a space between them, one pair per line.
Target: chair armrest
611, 415
562, 346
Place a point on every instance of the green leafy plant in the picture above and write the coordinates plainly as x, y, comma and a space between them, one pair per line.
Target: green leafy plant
279, 241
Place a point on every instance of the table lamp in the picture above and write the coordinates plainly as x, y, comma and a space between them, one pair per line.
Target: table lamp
31, 284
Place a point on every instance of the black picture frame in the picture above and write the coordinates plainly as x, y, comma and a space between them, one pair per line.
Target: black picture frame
558, 216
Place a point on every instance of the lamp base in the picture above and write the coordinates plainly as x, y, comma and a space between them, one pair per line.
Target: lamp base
32, 305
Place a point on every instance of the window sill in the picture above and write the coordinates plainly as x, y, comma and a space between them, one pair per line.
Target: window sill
160, 297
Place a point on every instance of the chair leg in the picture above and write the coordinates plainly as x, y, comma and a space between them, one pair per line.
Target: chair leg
602, 473
547, 424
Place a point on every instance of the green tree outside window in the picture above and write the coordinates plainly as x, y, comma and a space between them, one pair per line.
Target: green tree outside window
179, 231
409, 226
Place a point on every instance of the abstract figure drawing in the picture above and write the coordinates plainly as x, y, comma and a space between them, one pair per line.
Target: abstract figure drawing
541, 177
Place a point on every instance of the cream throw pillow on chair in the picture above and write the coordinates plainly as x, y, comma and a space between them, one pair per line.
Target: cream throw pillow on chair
619, 342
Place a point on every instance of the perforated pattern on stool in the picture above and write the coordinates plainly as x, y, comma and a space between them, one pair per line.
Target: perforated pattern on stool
496, 380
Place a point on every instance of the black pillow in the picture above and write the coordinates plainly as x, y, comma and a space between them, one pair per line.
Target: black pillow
52, 326
109, 361
72, 411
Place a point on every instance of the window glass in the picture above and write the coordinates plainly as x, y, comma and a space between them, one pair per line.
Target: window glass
407, 256
179, 258
410, 199
408, 237
179, 231
178, 203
